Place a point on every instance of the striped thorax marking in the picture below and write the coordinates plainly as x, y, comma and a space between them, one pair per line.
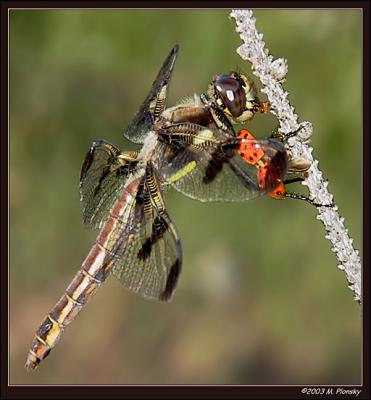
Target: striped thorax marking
204, 137
152, 185
218, 121
157, 105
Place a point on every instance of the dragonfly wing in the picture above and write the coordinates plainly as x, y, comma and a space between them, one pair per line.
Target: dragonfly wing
218, 178
154, 103
150, 254
202, 167
103, 175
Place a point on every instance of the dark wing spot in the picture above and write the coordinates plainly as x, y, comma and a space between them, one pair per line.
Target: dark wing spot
171, 281
159, 227
145, 250
215, 164
212, 170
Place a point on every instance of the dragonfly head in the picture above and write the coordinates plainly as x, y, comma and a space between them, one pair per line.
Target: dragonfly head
235, 95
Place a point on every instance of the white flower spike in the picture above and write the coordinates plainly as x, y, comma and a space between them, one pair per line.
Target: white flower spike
272, 73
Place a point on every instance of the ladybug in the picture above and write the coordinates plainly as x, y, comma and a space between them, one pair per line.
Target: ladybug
273, 165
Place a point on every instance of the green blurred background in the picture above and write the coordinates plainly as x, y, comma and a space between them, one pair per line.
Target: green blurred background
260, 299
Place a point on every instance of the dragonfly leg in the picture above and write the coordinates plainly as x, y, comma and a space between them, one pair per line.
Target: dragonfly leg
280, 193
293, 180
307, 199
277, 134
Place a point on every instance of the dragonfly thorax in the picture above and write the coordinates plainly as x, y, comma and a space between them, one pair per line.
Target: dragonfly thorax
148, 149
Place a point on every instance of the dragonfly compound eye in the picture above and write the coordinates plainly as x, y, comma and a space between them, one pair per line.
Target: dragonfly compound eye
229, 94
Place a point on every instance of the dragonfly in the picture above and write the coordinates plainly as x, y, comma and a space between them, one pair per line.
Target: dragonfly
191, 147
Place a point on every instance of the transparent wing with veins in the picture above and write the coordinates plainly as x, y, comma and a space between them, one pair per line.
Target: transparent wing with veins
155, 102
149, 258
103, 175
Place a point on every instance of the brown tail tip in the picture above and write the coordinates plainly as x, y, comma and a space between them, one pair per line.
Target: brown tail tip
32, 362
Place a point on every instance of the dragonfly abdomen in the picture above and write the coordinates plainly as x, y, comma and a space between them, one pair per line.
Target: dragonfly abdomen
62, 314
94, 271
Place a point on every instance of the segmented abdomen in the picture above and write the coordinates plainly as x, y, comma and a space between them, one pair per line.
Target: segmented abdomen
92, 274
